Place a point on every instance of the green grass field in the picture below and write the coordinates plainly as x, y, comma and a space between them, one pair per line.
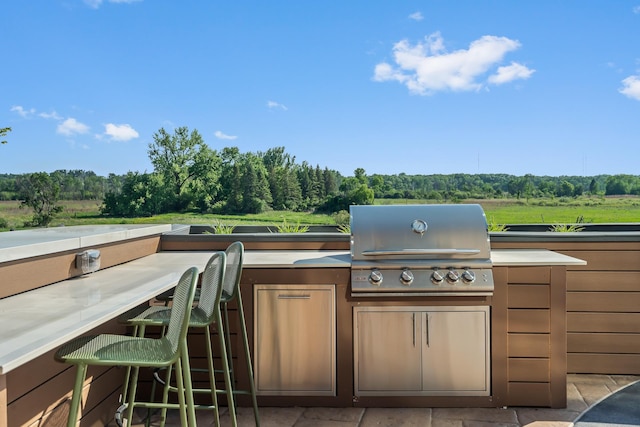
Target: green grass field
499, 211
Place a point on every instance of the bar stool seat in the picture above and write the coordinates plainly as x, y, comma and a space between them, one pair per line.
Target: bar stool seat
121, 350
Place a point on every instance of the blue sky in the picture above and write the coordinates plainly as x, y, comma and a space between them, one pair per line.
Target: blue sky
545, 87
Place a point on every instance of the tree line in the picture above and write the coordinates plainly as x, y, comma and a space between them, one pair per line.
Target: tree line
188, 175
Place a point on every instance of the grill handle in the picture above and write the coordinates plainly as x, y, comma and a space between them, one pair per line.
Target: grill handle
422, 252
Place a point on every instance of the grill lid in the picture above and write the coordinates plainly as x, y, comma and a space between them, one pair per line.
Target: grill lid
419, 232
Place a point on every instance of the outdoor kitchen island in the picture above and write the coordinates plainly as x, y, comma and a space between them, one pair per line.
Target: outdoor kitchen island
527, 322
312, 363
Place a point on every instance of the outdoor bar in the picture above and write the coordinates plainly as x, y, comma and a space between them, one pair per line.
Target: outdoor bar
562, 303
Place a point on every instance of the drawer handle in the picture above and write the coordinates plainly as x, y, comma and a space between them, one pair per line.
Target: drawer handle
284, 296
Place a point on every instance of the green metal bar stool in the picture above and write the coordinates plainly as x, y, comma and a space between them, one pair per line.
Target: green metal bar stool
204, 315
135, 352
231, 292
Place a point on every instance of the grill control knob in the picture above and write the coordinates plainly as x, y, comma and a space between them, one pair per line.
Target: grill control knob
468, 276
453, 276
375, 278
437, 277
406, 277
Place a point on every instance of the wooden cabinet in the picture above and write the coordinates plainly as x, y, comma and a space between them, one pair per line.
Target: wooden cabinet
295, 340
426, 351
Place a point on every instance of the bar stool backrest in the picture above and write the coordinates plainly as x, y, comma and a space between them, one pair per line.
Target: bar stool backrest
211, 287
181, 309
235, 255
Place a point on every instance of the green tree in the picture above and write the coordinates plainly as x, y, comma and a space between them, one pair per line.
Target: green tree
3, 133
181, 159
40, 192
617, 185
284, 185
565, 189
256, 196
141, 195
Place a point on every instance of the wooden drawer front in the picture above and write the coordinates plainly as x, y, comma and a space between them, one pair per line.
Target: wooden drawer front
531, 275
528, 296
603, 322
528, 370
528, 321
606, 260
609, 281
528, 345
529, 394
620, 302
603, 343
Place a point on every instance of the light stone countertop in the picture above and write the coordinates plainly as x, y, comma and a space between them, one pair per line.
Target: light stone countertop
20, 244
531, 257
47, 317
338, 259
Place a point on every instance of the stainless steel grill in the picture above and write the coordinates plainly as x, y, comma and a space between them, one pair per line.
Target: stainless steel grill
405, 250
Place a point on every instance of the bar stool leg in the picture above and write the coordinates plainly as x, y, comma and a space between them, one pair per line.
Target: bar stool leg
212, 376
76, 397
245, 342
226, 363
187, 387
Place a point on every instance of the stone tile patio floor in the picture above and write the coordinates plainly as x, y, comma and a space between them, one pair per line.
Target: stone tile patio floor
582, 392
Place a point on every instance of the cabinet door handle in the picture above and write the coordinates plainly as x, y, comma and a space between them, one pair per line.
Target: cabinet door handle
285, 296
427, 330
414, 329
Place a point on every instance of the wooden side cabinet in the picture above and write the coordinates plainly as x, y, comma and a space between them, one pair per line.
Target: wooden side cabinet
295, 340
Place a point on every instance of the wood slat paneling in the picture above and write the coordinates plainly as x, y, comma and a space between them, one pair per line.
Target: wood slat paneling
529, 394
603, 343
528, 321
612, 364
603, 322
567, 245
529, 275
606, 260
528, 296
609, 281
24, 275
528, 370
529, 345
611, 302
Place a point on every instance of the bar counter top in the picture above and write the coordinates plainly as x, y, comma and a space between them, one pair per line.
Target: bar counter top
47, 317
338, 259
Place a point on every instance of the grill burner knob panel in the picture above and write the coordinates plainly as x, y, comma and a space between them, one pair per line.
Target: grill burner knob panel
468, 277
437, 277
375, 278
453, 276
406, 277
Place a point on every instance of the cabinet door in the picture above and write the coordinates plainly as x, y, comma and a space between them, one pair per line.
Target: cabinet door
455, 352
295, 351
387, 351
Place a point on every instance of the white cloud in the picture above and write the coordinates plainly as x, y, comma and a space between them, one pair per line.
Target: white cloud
71, 126
95, 4
510, 73
52, 115
221, 135
636, 9
416, 16
273, 104
120, 132
22, 112
427, 67
631, 87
